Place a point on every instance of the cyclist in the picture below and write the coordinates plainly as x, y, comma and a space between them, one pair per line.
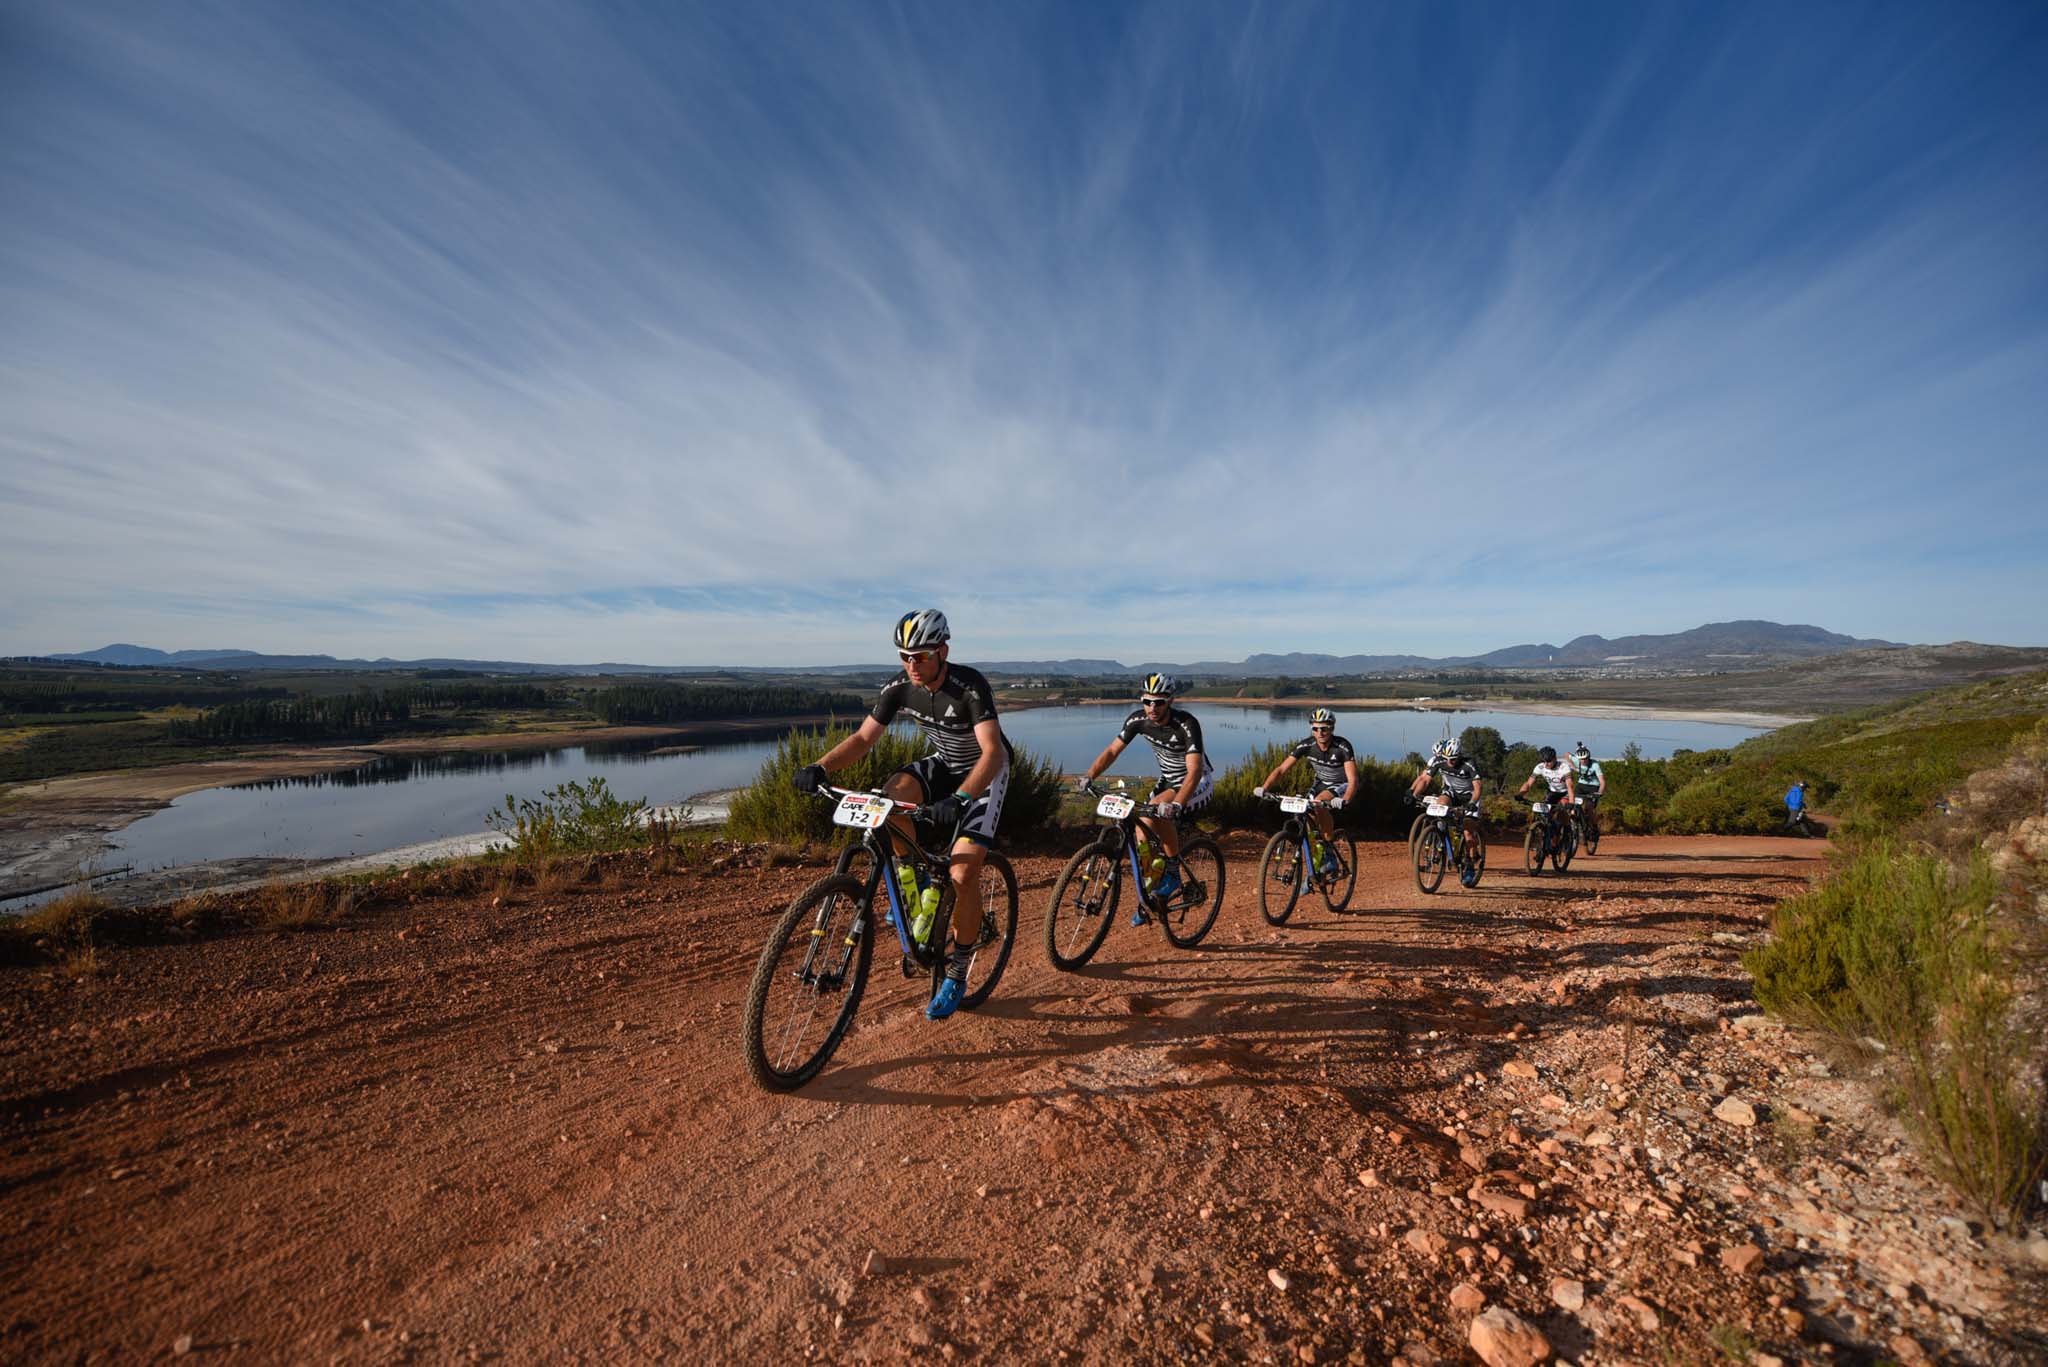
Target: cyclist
963, 778
1558, 775
1795, 804
1336, 766
1184, 771
1462, 786
1591, 781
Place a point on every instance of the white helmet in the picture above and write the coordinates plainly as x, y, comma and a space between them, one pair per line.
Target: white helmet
1322, 716
922, 630
1452, 749
1159, 686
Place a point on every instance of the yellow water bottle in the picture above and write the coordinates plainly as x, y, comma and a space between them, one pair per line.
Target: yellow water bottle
927, 910
906, 882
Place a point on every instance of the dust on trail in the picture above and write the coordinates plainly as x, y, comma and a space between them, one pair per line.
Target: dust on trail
454, 1129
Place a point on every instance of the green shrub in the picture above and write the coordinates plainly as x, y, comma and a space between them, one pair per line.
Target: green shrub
573, 817
1907, 948
772, 809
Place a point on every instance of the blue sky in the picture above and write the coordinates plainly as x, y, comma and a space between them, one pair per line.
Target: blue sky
688, 333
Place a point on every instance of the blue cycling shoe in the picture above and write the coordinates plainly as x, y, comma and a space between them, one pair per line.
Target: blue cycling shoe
946, 1000
1167, 886
1139, 918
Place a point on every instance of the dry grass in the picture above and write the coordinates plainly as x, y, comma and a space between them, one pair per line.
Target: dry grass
63, 931
305, 906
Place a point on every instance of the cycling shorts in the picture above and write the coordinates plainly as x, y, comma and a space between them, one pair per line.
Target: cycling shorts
1205, 788
941, 780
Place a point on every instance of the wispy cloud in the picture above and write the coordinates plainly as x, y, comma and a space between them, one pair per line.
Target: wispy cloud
693, 335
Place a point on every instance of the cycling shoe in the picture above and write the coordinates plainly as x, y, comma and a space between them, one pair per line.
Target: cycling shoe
946, 1000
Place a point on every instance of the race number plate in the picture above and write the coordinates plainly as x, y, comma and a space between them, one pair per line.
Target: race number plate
1293, 804
1437, 809
1115, 806
862, 811
1539, 807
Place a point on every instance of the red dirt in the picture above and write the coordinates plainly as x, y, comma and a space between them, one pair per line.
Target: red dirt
453, 1129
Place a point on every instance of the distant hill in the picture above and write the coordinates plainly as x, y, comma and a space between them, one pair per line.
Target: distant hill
1746, 645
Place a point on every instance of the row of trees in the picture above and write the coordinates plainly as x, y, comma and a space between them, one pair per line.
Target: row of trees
654, 703
364, 712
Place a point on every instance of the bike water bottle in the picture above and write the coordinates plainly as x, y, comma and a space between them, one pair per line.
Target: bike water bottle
906, 882
926, 909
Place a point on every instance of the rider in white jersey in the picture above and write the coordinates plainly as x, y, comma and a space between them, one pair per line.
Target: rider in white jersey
1556, 773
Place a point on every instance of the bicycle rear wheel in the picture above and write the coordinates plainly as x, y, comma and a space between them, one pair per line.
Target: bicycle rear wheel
1280, 877
1432, 857
1189, 913
992, 942
808, 984
1534, 850
1337, 887
1083, 904
1591, 827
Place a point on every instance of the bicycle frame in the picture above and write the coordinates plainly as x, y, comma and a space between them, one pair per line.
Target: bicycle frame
1127, 831
887, 861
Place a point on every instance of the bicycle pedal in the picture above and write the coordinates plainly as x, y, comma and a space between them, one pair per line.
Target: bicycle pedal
911, 968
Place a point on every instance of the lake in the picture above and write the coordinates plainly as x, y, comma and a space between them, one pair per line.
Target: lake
402, 801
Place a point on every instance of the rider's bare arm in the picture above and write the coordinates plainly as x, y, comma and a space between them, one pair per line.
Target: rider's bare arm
1280, 769
1103, 760
985, 769
854, 746
1350, 780
1192, 781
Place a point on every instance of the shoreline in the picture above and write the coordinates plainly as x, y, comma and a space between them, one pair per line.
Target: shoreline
1608, 711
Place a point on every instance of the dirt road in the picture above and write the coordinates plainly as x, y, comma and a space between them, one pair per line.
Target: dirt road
457, 1130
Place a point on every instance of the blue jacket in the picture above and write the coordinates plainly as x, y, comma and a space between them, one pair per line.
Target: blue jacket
1795, 796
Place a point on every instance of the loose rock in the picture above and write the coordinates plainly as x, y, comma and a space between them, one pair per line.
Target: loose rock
1466, 1296
1504, 1339
1568, 1294
1734, 1112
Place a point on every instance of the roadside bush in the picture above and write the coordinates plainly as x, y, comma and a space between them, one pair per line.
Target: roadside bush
575, 817
1918, 953
772, 809
63, 931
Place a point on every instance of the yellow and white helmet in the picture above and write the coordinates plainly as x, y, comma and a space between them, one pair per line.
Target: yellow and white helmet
1159, 686
1322, 716
922, 630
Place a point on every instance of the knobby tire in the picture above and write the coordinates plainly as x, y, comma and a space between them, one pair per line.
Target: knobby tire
781, 1009
997, 935
1346, 876
1282, 856
1201, 861
1071, 937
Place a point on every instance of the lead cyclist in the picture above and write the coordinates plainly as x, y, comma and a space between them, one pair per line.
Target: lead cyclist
963, 778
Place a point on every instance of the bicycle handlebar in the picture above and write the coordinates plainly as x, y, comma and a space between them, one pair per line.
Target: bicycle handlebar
827, 790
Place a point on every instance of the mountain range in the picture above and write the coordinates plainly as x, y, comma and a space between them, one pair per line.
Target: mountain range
1717, 645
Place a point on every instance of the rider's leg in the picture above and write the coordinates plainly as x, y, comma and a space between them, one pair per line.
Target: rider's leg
1166, 833
968, 858
904, 786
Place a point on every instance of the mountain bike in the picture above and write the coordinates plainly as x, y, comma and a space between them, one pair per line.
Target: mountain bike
1085, 895
1447, 840
814, 967
1553, 835
1290, 863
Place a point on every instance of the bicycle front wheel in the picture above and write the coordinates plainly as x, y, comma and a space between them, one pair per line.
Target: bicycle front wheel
1083, 904
808, 984
1190, 912
1337, 886
1475, 854
1567, 845
1280, 877
1533, 850
1432, 857
993, 941
1415, 830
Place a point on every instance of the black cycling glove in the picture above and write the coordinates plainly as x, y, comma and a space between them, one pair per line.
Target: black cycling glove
809, 778
947, 811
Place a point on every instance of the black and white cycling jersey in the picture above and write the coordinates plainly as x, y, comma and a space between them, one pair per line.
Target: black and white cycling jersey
1457, 775
948, 713
1172, 741
1328, 763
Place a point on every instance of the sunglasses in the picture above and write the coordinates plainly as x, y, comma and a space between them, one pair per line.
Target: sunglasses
1156, 702
1322, 730
917, 657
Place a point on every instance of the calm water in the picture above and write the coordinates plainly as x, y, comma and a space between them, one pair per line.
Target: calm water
395, 802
